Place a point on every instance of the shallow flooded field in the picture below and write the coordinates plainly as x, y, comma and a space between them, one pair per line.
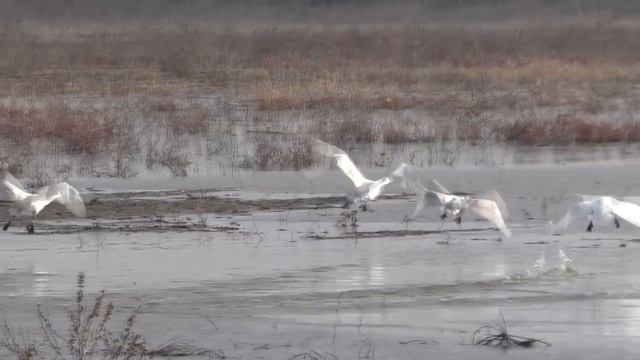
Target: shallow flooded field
196, 130
264, 266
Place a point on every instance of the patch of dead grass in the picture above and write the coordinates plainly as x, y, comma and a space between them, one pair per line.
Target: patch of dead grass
80, 132
283, 155
568, 129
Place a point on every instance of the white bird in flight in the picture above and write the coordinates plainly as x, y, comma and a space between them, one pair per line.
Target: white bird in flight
600, 211
489, 206
366, 189
28, 205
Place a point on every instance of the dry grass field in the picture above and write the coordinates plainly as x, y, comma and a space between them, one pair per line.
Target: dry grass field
528, 73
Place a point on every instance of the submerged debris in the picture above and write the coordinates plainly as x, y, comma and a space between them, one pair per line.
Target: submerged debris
418, 341
313, 355
349, 219
498, 336
179, 348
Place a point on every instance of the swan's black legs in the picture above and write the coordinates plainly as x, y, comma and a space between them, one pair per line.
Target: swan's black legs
30, 228
443, 216
364, 207
6, 226
590, 227
615, 221
459, 219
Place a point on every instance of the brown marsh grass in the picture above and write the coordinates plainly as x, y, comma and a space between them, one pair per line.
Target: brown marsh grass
294, 66
365, 83
568, 129
80, 132
271, 154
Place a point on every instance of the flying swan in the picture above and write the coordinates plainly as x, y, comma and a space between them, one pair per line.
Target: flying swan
366, 189
600, 211
28, 205
489, 206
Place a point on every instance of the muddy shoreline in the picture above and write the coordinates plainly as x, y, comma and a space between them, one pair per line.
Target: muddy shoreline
115, 207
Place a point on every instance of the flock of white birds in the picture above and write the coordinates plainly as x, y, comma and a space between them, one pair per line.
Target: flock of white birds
598, 210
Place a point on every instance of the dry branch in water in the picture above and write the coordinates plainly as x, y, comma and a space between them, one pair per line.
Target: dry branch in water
19, 345
314, 355
179, 348
87, 337
498, 336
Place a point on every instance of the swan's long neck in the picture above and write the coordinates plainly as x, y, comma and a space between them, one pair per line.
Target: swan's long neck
376, 187
17, 192
384, 181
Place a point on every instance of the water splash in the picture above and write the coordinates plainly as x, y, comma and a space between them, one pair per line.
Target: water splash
565, 266
539, 265
542, 269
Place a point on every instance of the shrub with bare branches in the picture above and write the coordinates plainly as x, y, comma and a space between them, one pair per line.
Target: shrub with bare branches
87, 337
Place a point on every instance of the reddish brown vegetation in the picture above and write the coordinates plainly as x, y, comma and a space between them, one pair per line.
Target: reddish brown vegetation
274, 155
393, 134
279, 102
568, 129
192, 122
359, 129
80, 132
275, 102
394, 83
162, 105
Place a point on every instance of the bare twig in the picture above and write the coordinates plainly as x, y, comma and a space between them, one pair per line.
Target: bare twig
498, 336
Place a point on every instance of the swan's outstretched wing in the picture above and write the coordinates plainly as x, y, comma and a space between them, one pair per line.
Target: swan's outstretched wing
63, 193
577, 211
408, 179
578, 198
494, 196
435, 198
422, 201
439, 187
627, 211
343, 161
404, 174
10, 188
489, 210
631, 199
430, 198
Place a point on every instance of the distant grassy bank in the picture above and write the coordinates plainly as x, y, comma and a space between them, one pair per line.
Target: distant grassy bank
120, 88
